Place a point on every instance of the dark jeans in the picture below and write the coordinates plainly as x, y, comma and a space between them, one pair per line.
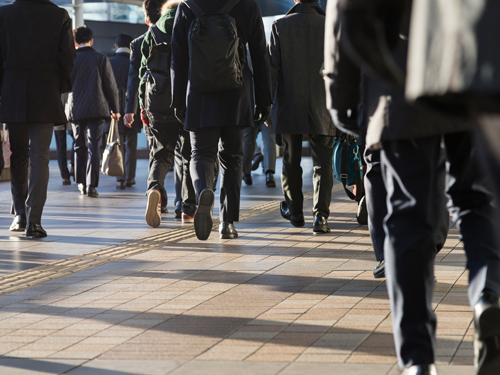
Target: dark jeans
376, 196
205, 144
30, 146
410, 170
129, 151
164, 137
62, 157
88, 138
291, 176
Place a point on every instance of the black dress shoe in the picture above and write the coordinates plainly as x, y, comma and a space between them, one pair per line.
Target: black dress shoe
247, 179
297, 220
257, 159
487, 336
66, 181
379, 271
82, 188
227, 231
320, 225
35, 230
203, 221
270, 183
121, 185
92, 192
420, 370
164, 210
130, 183
18, 224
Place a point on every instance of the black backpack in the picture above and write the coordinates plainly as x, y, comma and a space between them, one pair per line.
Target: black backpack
158, 94
216, 55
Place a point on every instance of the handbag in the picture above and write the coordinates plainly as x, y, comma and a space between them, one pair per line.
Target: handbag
6, 149
112, 160
347, 164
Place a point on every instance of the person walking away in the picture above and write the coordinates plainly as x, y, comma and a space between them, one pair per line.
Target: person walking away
214, 109
120, 63
410, 157
155, 94
31, 83
93, 86
300, 108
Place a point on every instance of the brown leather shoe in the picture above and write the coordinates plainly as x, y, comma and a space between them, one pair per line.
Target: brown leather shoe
66, 181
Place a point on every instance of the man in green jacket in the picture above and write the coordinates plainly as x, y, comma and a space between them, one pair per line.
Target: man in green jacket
165, 129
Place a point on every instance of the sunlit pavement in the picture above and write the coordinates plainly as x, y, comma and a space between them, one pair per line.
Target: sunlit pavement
277, 300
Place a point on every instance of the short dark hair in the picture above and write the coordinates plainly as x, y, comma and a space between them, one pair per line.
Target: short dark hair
308, 1
152, 8
83, 35
123, 40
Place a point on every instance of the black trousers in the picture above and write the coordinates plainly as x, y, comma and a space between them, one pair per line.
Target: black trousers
205, 145
291, 176
62, 157
30, 146
179, 171
376, 196
129, 151
164, 137
88, 139
410, 170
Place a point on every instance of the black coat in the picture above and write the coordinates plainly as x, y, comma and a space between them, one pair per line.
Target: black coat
120, 63
93, 86
36, 59
134, 81
296, 53
386, 113
226, 108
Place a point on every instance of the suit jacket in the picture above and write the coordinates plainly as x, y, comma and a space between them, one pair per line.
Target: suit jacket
36, 57
120, 63
93, 87
133, 82
296, 57
225, 108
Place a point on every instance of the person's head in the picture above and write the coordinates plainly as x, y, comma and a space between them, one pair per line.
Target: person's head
152, 10
83, 36
306, 1
123, 40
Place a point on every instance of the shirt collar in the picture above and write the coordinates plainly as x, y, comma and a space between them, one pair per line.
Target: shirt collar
123, 50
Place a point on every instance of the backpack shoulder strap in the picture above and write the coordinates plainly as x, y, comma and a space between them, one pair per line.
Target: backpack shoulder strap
195, 8
158, 36
229, 6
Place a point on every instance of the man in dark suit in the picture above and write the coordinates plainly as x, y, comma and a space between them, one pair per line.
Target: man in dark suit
299, 108
120, 63
32, 80
220, 116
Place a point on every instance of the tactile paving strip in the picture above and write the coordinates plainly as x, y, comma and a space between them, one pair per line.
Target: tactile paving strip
54, 270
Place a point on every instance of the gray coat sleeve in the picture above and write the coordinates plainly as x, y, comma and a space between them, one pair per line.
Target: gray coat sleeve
66, 55
274, 57
109, 86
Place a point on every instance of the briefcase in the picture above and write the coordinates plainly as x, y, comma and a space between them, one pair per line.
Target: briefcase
112, 160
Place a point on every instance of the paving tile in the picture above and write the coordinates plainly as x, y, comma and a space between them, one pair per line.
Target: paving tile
115, 367
14, 366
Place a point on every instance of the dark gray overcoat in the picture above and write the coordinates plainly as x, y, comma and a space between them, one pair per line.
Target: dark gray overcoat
296, 56
134, 81
226, 108
36, 60
120, 63
387, 114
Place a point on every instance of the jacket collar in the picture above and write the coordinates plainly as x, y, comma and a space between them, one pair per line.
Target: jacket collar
84, 49
306, 8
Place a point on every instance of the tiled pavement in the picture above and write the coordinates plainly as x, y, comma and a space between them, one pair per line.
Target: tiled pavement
278, 300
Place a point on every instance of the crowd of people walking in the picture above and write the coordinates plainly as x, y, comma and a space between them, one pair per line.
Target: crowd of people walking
202, 93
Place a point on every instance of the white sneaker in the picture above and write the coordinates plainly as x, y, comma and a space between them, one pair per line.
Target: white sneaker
153, 209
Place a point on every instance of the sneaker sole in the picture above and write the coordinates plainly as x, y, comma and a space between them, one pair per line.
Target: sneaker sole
152, 217
203, 222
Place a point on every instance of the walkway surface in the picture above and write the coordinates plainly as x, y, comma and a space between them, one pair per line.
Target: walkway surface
277, 300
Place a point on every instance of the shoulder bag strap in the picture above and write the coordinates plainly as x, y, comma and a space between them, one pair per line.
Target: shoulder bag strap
343, 167
226, 9
195, 8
